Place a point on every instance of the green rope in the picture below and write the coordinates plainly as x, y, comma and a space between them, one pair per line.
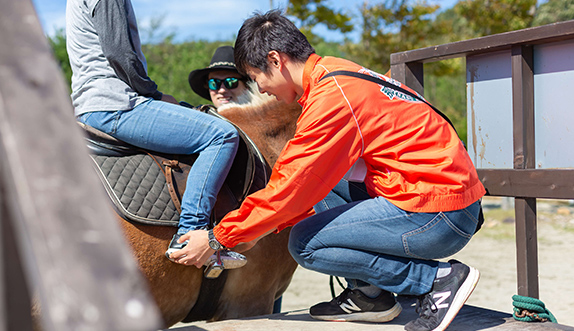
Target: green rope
527, 309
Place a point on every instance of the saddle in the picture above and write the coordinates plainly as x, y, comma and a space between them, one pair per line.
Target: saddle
146, 186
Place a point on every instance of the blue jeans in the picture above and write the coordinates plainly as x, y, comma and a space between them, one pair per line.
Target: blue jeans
173, 129
371, 241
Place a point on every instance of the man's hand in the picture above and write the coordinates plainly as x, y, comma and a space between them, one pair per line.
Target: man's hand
197, 250
169, 98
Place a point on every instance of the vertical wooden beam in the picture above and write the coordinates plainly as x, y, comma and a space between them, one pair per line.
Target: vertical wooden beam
410, 74
524, 158
3, 266
523, 107
526, 247
73, 253
15, 298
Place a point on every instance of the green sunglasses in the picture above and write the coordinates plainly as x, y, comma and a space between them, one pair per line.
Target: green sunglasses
229, 83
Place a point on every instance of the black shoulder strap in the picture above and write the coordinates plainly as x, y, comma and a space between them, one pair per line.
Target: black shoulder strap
379, 81
402, 90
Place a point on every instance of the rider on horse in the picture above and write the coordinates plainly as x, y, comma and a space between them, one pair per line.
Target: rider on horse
112, 92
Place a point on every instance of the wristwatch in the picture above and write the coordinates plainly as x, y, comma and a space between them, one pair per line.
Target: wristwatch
213, 243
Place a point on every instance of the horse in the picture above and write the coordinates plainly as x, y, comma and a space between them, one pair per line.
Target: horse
247, 291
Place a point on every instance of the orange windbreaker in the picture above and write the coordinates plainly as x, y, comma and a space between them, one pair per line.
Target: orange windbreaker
413, 156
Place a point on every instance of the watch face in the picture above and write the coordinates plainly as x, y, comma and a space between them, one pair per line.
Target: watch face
214, 244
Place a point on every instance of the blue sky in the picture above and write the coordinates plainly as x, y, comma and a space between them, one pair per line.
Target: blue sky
196, 19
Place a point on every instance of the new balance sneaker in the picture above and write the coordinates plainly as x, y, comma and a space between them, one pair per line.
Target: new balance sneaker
353, 305
230, 259
448, 294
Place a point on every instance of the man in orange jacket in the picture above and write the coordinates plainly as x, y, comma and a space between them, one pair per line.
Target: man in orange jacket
417, 200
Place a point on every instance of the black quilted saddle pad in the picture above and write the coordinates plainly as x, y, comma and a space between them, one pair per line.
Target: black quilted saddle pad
136, 183
137, 186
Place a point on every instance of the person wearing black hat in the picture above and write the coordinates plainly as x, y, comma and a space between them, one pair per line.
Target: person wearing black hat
220, 82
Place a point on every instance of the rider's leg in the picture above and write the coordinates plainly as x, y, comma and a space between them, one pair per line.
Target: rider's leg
170, 128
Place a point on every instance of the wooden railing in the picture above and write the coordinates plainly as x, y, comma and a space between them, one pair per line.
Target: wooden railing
524, 182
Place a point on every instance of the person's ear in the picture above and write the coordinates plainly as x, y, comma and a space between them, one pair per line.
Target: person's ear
274, 59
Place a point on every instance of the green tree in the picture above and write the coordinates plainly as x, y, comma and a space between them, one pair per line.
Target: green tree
554, 11
310, 13
325, 48
451, 26
389, 27
445, 88
58, 44
486, 17
445, 81
169, 65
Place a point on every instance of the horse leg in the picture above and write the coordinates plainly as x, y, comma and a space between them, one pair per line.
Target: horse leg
174, 287
253, 289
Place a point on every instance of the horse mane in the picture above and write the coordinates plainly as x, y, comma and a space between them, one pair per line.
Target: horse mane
249, 100
271, 122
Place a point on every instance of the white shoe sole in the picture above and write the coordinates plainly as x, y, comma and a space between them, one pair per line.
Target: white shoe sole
382, 316
460, 298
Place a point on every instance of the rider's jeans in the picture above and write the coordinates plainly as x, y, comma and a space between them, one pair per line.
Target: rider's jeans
372, 241
169, 128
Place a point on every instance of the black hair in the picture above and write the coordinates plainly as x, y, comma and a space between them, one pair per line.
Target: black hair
262, 33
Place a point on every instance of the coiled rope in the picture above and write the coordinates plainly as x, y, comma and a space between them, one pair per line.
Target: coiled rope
527, 309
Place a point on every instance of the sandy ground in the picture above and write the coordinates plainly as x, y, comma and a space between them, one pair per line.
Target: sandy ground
493, 252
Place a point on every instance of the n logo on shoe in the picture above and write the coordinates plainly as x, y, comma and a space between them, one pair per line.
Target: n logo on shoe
349, 307
442, 296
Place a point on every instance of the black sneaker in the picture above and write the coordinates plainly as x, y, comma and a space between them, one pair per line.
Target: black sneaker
353, 305
448, 294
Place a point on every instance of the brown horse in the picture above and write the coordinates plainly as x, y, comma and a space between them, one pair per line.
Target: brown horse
250, 290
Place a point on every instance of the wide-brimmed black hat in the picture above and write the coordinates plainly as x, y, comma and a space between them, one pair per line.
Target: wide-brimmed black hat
222, 60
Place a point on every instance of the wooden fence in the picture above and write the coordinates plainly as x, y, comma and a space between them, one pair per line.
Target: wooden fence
530, 174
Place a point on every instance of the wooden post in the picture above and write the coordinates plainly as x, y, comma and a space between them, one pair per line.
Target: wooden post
523, 181
16, 307
72, 252
410, 74
524, 158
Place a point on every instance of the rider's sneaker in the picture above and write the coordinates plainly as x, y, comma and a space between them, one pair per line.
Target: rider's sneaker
353, 305
174, 246
230, 259
448, 294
